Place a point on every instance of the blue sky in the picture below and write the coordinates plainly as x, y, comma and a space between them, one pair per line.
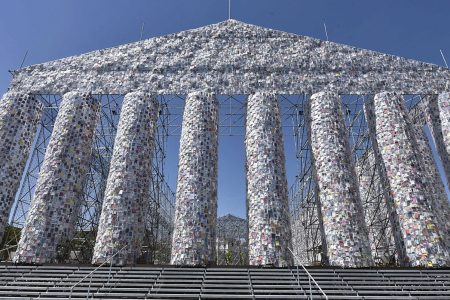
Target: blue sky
52, 29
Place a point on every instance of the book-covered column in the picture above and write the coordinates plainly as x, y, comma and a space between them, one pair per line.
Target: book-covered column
19, 116
419, 240
343, 229
433, 182
121, 227
300, 240
59, 189
194, 235
267, 194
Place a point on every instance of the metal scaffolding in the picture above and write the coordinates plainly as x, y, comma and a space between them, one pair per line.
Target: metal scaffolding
160, 208
303, 192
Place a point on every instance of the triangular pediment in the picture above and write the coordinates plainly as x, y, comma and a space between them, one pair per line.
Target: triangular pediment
233, 57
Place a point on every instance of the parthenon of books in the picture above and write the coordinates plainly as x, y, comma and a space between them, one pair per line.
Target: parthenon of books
83, 143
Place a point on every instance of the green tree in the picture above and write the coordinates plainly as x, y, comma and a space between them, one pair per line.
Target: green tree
228, 257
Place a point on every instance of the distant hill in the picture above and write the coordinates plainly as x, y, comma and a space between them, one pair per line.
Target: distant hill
230, 226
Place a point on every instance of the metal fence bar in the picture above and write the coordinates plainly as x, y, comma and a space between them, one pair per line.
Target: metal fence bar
309, 276
90, 274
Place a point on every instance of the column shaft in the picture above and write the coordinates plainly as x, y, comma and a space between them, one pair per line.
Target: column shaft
196, 198
427, 112
127, 189
433, 183
267, 194
299, 240
345, 232
59, 190
369, 112
418, 233
19, 117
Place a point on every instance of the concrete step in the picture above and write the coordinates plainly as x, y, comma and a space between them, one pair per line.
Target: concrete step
141, 282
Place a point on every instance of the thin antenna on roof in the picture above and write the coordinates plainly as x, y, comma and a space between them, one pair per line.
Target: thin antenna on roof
443, 57
142, 30
229, 9
326, 32
23, 60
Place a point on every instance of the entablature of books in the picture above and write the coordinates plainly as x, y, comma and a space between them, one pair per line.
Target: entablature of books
232, 57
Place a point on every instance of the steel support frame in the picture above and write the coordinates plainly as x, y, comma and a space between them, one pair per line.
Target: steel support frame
160, 206
160, 209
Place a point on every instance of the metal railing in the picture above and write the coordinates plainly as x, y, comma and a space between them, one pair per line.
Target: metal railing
93, 271
7, 248
7, 253
310, 278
